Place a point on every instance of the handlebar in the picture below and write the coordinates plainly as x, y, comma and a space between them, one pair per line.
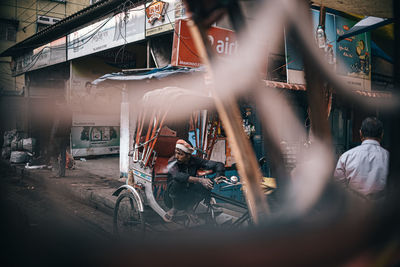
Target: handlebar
234, 180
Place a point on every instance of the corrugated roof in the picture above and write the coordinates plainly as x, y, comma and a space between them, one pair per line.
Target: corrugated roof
69, 24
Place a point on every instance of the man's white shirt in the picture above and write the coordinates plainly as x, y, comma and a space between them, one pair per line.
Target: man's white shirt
364, 168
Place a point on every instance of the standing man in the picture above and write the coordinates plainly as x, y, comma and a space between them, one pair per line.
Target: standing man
364, 168
60, 137
185, 189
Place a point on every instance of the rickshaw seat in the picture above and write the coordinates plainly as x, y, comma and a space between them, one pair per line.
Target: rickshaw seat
165, 148
160, 166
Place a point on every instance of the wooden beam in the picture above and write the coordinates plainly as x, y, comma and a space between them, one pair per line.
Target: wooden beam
229, 113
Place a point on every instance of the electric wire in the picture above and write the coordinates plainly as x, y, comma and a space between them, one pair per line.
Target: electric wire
23, 7
41, 15
41, 10
41, 44
123, 7
36, 57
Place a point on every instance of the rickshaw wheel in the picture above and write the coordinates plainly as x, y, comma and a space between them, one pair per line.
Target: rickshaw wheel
128, 220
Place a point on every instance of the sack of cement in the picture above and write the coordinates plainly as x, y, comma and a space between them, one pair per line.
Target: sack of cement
18, 157
6, 152
28, 144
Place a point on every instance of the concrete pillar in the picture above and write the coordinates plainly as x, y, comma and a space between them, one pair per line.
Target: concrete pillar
132, 126
124, 135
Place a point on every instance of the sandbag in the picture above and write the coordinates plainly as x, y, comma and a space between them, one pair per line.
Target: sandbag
18, 157
28, 144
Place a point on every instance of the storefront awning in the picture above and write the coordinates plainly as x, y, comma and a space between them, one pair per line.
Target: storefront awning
170, 70
364, 25
301, 87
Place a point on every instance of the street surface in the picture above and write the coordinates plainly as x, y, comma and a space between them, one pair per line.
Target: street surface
35, 220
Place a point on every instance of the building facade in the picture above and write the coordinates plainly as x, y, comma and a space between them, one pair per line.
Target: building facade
20, 19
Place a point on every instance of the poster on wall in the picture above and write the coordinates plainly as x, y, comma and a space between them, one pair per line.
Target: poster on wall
350, 58
96, 113
184, 52
86, 98
94, 140
161, 15
294, 60
353, 53
107, 33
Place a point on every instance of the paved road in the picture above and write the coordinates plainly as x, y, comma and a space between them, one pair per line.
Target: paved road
40, 226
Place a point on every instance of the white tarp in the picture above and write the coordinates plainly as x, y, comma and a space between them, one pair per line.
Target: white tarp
156, 74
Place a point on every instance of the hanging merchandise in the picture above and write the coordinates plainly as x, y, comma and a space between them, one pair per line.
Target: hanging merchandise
248, 126
320, 35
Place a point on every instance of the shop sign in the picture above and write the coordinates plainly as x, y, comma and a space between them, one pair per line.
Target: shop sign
161, 15
354, 56
79, 119
111, 32
184, 53
350, 58
156, 11
43, 56
94, 134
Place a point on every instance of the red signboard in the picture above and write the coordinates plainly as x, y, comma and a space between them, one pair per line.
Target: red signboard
184, 52
156, 11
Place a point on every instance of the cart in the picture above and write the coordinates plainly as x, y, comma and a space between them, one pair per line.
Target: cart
154, 144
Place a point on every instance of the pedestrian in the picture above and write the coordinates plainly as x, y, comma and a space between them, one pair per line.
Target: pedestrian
364, 168
60, 137
185, 189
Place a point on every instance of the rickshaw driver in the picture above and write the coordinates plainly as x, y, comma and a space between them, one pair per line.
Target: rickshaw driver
184, 189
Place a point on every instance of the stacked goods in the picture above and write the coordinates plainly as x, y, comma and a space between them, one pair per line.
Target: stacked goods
16, 146
19, 157
8, 138
26, 144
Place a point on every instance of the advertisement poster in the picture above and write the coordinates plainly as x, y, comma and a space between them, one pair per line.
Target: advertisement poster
353, 56
294, 60
94, 140
161, 15
86, 98
350, 58
107, 33
184, 53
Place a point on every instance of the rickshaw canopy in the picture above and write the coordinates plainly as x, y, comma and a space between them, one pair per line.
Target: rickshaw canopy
177, 101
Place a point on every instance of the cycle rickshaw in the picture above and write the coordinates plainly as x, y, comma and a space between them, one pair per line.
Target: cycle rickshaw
154, 144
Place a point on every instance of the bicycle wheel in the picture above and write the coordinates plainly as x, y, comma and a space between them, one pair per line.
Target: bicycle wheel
128, 220
205, 212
